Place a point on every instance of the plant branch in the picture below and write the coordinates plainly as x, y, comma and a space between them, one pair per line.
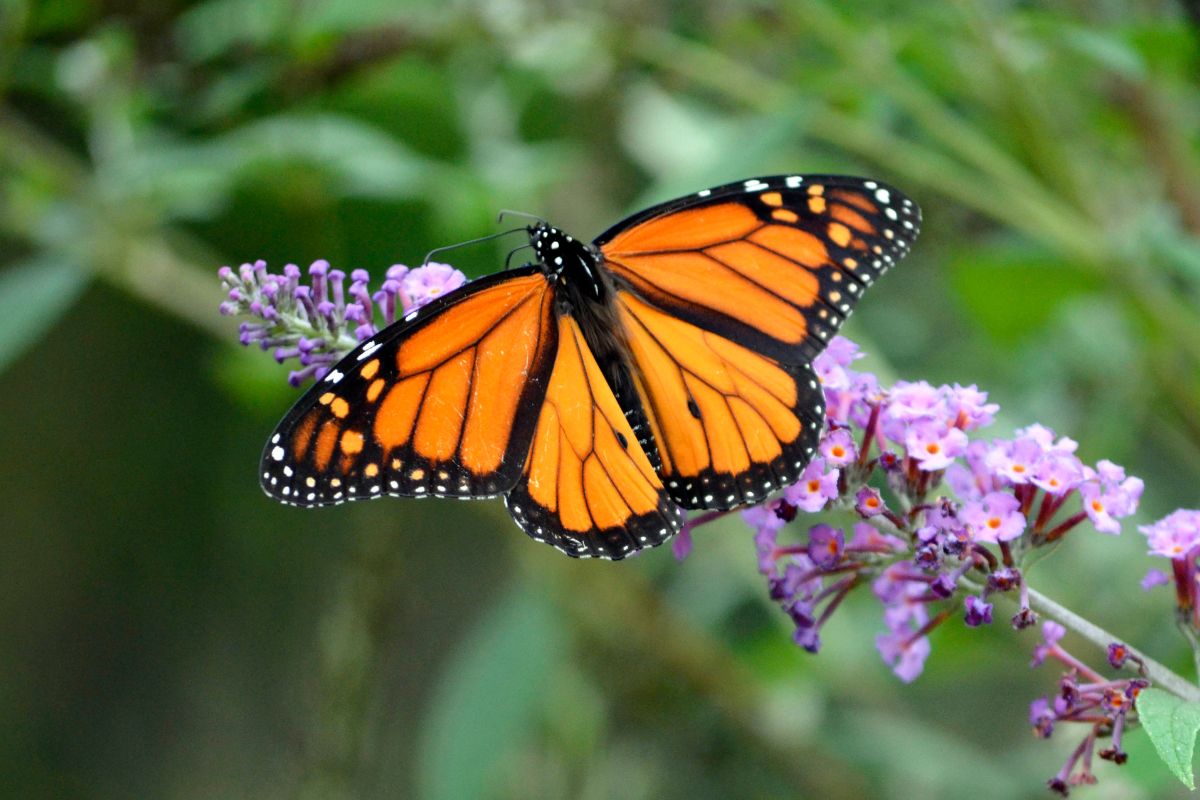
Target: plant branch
1162, 677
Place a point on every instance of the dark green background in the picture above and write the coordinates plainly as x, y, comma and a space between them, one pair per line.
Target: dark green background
166, 631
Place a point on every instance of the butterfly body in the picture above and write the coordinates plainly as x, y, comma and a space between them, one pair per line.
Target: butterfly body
601, 389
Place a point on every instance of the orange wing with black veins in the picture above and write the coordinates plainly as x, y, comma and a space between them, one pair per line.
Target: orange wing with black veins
724, 299
776, 264
588, 488
435, 405
731, 425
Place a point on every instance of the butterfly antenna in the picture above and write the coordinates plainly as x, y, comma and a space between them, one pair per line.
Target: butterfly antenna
489, 237
509, 212
514, 251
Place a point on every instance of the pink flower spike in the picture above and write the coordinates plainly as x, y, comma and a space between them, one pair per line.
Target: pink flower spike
815, 488
994, 519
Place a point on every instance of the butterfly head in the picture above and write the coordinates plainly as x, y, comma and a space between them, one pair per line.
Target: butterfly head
555, 250
566, 259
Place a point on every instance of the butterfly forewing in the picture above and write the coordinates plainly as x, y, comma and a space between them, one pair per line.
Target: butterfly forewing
775, 263
436, 405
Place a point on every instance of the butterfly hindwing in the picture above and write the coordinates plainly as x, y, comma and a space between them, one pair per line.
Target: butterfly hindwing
730, 425
437, 404
773, 263
588, 488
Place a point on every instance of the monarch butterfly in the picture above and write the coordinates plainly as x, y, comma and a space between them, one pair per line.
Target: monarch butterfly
606, 386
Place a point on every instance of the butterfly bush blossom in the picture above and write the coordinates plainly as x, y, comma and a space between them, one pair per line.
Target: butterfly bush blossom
320, 321
941, 518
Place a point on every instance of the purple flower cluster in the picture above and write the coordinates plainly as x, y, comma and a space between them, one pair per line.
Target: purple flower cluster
318, 322
924, 556
1085, 697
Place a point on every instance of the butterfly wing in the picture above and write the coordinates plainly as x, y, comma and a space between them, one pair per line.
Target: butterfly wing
730, 424
724, 298
436, 404
775, 263
588, 487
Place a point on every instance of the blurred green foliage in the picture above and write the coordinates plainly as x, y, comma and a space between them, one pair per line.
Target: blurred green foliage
166, 631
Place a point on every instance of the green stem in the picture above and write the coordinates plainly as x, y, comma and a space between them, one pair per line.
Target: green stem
1183, 622
1162, 677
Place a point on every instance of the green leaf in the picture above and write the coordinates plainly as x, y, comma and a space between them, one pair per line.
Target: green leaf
1172, 725
34, 294
489, 697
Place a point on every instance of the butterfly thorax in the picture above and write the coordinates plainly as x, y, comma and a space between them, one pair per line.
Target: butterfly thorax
585, 292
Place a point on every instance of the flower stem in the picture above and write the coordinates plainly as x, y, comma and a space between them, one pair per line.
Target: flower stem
1189, 633
1162, 677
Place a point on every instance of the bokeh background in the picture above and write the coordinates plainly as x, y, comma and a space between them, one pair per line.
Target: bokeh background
166, 631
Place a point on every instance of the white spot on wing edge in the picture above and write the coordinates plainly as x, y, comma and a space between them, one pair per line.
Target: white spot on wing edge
793, 181
368, 348
277, 453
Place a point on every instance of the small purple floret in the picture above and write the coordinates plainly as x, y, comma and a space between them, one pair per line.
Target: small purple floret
977, 611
